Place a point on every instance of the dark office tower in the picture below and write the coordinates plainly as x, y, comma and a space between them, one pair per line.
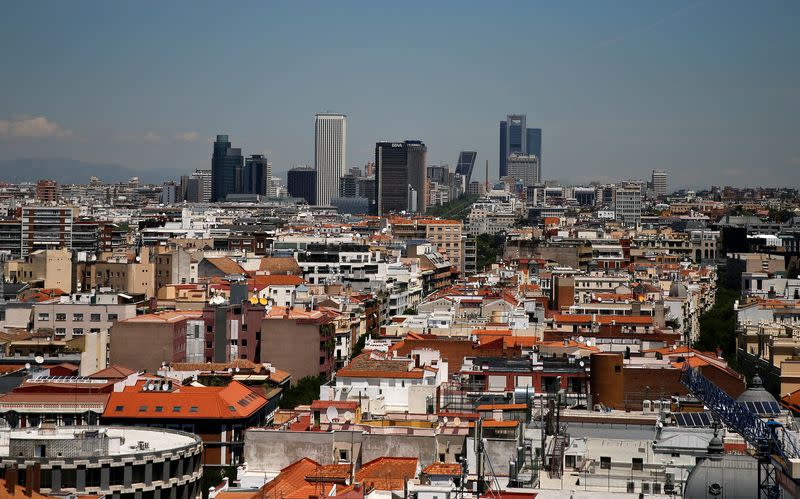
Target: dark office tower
516, 138
226, 169
348, 186
301, 182
366, 189
416, 156
466, 162
257, 175
502, 164
391, 176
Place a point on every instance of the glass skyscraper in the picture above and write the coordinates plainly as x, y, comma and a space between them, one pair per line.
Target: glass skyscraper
226, 169
466, 163
517, 138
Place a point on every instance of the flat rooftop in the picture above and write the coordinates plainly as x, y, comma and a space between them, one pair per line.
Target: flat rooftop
122, 440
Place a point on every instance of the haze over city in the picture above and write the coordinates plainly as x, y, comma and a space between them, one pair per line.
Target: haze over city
709, 90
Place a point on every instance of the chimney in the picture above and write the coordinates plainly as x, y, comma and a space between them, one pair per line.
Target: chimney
11, 480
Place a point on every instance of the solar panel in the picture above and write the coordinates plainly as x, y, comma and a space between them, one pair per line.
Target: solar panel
693, 419
759, 407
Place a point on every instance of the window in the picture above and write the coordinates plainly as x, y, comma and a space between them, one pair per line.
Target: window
112, 317
159, 408
605, 463
142, 408
77, 331
61, 317
94, 318
637, 464
60, 331
676, 454
193, 408
40, 451
119, 408
43, 316
244, 343
77, 317
176, 408
342, 455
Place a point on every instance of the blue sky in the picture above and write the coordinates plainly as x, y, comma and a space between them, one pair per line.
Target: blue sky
708, 90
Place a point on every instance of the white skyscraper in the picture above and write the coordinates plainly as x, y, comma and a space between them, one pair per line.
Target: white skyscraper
330, 154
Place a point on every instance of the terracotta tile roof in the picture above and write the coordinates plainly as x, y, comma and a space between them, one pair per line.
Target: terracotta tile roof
385, 473
337, 473
26, 398
572, 319
337, 404
625, 319
169, 316
293, 313
226, 265
265, 281
364, 366
233, 401
443, 469
291, 482
112, 372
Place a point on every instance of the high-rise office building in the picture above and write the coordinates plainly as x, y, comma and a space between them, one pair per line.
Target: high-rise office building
525, 168
226, 169
628, 203
330, 155
466, 162
391, 176
401, 176
301, 182
257, 176
517, 138
417, 175
659, 182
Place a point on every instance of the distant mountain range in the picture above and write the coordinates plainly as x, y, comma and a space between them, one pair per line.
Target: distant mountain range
73, 171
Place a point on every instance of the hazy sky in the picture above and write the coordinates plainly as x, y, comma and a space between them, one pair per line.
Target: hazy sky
708, 90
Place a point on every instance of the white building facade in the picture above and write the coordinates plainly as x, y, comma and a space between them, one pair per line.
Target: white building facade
330, 154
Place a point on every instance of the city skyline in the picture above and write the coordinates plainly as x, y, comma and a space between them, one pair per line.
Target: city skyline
618, 92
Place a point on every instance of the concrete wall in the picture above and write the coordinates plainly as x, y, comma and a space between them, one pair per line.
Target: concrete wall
275, 450
422, 447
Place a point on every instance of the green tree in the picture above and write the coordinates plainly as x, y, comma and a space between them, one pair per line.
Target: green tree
488, 247
718, 324
305, 391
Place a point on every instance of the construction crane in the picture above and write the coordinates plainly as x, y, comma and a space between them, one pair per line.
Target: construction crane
775, 448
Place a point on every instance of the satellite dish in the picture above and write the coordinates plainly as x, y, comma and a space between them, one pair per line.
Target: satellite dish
581, 339
39, 359
332, 414
348, 416
445, 420
263, 301
457, 421
253, 300
27, 365
581, 363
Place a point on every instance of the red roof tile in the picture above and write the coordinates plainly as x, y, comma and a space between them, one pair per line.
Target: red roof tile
233, 401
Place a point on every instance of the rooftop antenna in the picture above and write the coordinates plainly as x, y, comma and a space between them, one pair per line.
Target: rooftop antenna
487, 176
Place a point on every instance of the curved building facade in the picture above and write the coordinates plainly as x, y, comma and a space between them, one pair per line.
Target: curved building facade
115, 462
